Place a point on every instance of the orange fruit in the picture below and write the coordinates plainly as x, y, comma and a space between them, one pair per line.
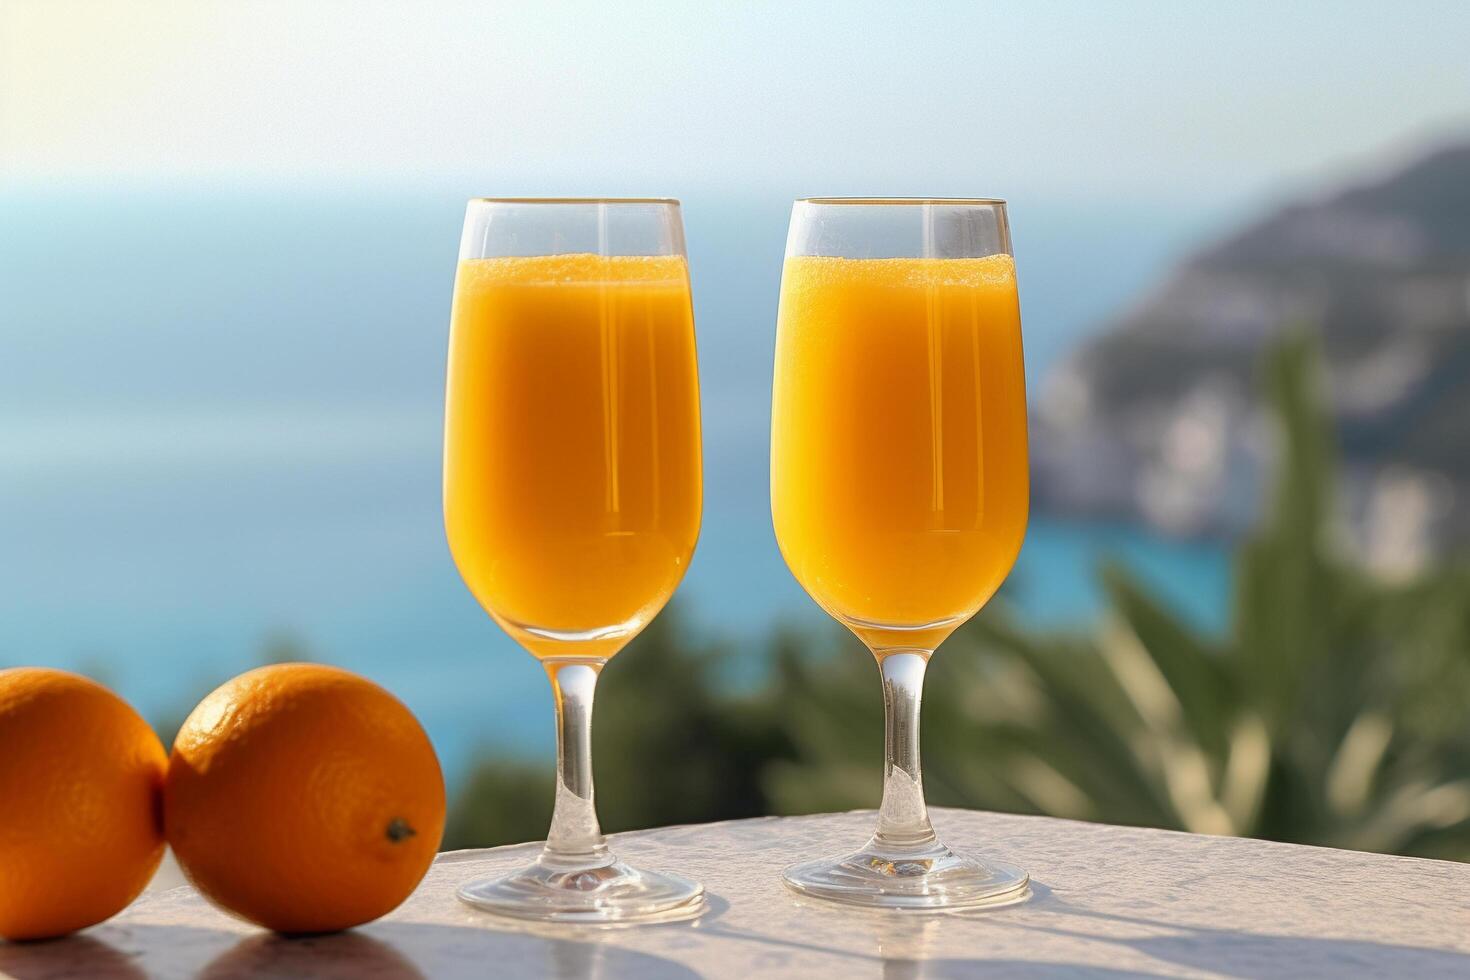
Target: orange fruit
303, 798
80, 774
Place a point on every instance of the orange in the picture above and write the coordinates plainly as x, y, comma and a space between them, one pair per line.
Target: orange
80, 773
303, 798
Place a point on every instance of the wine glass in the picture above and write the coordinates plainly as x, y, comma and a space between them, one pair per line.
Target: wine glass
572, 487
899, 480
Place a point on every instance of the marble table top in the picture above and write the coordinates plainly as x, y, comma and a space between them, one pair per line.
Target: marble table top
1108, 902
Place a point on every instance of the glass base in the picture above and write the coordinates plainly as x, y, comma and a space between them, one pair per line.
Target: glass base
612, 894
931, 877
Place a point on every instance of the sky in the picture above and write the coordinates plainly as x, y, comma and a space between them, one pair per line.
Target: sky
947, 98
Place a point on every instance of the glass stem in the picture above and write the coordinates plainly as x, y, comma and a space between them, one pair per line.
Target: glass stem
575, 839
903, 818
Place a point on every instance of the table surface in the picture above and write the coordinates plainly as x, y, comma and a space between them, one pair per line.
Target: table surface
1108, 902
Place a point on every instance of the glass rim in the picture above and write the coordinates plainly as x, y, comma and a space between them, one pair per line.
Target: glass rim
904, 201
674, 201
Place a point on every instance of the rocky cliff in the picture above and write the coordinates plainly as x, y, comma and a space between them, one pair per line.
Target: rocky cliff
1158, 417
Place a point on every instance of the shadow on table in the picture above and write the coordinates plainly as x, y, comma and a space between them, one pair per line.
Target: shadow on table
115, 950
416, 951
381, 951
579, 954
904, 945
69, 956
903, 942
1264, 955
344, 955
1002, 970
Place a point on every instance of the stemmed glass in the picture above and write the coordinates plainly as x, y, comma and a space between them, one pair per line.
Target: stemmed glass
572, 487
899, 480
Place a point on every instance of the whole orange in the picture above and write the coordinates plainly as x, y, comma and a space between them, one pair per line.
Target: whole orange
80, 774
303, 798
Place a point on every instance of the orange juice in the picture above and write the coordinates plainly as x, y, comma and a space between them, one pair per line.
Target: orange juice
898, 447
572, 444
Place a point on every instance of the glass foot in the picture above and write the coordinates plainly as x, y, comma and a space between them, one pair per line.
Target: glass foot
928, 877
613, 893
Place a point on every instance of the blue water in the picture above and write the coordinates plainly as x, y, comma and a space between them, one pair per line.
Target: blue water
219, 426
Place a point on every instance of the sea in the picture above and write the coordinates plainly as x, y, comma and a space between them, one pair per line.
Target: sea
220, 416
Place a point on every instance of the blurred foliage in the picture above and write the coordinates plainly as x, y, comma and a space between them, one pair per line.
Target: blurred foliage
1330, 712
